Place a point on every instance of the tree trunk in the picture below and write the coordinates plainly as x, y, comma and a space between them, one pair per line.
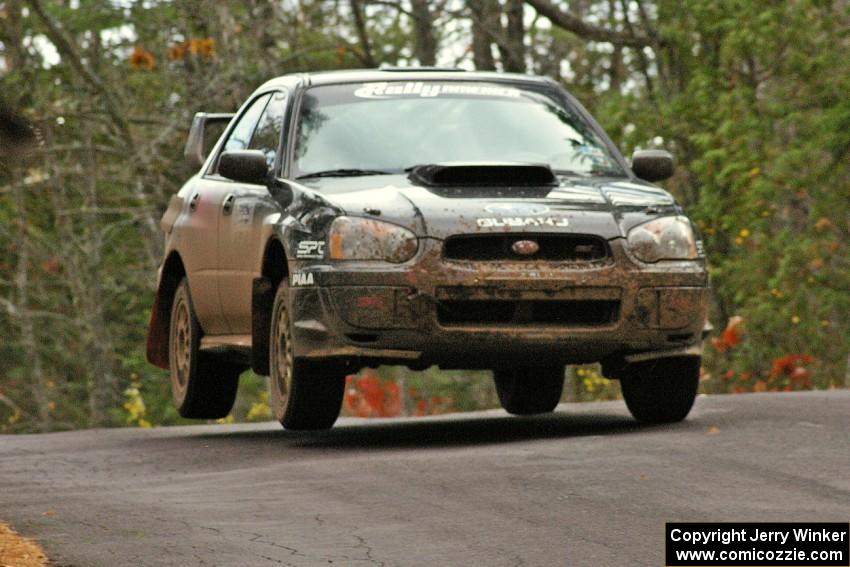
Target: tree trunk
13, 35
425, 43
81, 255
615, 65
23, 312
511, 41
263, 12
28, 340
362, 34
485, 18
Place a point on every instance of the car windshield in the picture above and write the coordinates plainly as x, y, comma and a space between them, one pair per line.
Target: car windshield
388, 127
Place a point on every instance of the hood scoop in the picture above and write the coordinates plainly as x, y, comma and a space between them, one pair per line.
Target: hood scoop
483, 174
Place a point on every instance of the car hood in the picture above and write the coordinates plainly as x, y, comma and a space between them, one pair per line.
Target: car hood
605, 207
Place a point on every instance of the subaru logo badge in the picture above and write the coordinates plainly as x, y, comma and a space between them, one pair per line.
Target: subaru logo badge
525, 247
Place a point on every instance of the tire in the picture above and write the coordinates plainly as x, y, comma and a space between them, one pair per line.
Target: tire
526, 391
203, 385
304, 394
662, 390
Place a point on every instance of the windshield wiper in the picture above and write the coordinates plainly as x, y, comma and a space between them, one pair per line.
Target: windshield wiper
344, 173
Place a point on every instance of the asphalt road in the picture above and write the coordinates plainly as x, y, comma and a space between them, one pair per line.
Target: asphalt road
584, 486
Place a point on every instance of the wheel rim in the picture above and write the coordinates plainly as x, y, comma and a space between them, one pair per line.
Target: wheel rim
282, 359
181, 348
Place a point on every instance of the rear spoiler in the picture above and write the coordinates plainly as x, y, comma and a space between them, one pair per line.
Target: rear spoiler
195, 143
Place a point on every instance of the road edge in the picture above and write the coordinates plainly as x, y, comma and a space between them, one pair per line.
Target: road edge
18, 551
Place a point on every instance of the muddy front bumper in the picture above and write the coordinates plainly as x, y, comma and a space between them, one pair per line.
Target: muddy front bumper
486, 314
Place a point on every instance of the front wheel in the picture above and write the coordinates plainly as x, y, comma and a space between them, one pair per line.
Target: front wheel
662, 390
304, 394
526, 391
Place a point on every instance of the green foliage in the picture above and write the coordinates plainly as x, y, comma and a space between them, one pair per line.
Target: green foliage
751, 97
764, 104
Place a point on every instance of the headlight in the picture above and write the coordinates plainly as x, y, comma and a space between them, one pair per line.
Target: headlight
668, 238
352, 238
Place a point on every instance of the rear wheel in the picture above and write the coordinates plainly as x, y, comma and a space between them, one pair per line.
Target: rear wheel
529, 390
203, 385
304, 394
662, 390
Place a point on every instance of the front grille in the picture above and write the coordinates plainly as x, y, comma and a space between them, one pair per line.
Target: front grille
572, 313
553, 248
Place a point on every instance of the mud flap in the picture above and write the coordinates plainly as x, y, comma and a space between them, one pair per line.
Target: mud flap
262, 301
156, 348
693, 350
614, 368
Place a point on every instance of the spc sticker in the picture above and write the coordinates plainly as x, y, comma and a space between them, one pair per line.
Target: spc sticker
310, 249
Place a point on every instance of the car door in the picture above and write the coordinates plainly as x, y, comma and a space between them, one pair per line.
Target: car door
241, 229
207, 205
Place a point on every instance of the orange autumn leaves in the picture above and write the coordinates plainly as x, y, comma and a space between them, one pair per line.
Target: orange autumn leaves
731, 335
200, 47
367, 396
791, 369
143, 60
789, 372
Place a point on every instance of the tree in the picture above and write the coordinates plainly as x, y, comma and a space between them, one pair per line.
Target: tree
750, 97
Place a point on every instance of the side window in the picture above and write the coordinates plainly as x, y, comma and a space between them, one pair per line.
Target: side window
267, 135
240, 136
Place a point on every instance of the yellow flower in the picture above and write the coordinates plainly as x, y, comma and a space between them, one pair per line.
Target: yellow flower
739, 240
795, 319
744, 233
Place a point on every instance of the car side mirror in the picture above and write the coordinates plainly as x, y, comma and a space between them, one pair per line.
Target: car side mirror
652, 165
196, 144
247, 166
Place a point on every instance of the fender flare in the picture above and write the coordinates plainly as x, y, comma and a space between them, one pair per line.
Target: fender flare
274, 268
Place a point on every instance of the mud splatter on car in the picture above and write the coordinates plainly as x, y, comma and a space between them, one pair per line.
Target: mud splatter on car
424, 217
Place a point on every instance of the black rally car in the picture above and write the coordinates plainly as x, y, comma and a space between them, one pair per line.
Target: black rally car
422, 217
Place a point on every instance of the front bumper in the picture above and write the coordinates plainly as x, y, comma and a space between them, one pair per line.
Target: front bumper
485, 314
